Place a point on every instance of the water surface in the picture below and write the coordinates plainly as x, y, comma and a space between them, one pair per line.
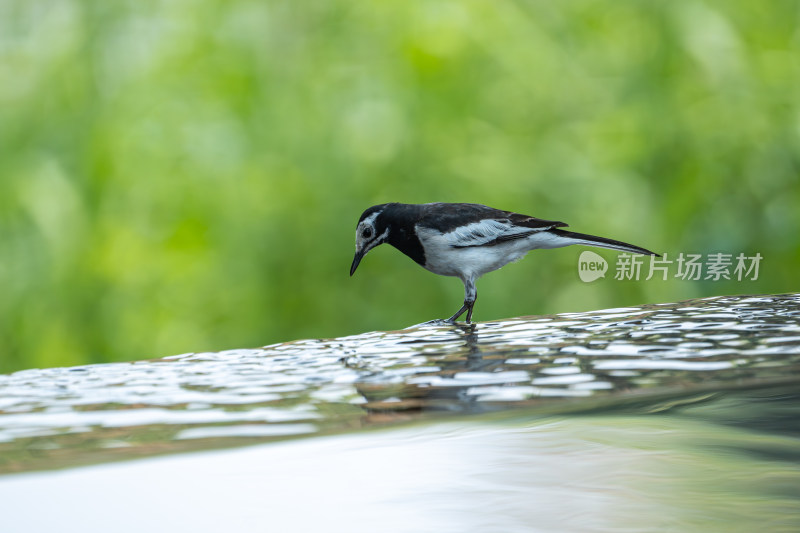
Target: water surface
699, 467
650, 358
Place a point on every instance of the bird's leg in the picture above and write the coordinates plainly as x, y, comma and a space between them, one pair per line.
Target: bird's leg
471, 305
460, 312
470, 295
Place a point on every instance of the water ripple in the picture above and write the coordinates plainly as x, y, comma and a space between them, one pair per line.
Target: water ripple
314, 386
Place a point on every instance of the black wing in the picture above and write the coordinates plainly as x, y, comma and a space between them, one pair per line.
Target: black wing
465, 225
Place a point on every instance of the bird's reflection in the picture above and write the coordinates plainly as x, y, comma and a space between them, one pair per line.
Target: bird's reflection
469, 332
389, 399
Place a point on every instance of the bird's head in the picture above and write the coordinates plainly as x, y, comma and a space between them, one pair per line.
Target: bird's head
372, 230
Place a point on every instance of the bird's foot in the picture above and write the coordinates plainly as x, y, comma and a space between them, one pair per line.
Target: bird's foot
437, 322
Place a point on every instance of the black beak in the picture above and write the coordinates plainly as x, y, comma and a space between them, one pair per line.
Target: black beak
356, 261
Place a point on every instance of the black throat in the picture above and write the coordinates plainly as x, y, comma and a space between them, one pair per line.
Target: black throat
400, 219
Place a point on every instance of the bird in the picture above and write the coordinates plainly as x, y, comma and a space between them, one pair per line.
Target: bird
466, 240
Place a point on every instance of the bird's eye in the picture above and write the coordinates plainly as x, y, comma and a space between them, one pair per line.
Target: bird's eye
367, 233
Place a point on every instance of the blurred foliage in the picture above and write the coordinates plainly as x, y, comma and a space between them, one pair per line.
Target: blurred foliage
186, 176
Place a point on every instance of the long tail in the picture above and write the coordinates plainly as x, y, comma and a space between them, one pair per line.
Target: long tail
600, 242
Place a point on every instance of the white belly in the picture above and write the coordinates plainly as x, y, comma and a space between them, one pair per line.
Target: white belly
468, 263
474, 261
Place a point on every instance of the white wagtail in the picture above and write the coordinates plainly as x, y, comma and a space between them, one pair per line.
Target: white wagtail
465, 240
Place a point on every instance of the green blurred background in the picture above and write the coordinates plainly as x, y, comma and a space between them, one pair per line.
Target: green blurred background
183, 176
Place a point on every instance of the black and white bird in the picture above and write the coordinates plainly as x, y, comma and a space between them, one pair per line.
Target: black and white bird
465, 240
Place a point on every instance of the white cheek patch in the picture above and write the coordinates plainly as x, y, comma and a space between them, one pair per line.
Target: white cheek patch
375, 242
369, 243
368, 222
358, 236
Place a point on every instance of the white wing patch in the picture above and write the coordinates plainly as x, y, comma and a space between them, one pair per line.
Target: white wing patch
485, 232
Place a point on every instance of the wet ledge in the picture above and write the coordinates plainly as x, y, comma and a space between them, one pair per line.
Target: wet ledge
649, 358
